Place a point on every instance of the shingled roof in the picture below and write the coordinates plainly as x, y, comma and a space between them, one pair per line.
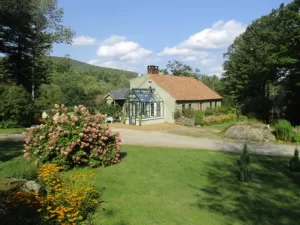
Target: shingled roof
119, 94
185, 88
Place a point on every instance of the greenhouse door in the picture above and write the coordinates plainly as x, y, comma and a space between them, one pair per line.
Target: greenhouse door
132, 114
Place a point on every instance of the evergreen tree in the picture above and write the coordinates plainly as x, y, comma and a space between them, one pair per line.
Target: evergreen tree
244, 164
28, 28
295, 162
262, 65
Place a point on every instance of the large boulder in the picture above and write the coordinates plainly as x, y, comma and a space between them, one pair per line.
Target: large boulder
32, 186
250, 132
10, 184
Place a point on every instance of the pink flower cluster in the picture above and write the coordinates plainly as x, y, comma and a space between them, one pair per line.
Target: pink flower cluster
73, 138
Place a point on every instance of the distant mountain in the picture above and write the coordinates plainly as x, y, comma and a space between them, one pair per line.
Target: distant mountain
78, 65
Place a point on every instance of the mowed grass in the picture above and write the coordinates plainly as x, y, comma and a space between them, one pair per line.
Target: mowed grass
182, 186
12, 130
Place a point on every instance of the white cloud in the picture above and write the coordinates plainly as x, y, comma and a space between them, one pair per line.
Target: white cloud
207, 62
181, 51
135, 55
216, 70
113, 40
220, 35
83, 40
205, 47
119, 47
189, 58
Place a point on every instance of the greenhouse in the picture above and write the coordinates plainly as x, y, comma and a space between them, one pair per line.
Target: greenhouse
144, 106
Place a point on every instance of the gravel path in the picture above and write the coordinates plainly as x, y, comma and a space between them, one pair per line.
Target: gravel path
163, 138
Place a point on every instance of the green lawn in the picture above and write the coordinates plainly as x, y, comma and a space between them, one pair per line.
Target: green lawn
12, 130
183, 186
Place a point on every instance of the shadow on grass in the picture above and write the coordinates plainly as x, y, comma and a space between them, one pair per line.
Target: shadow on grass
123, 155
10, 149
272, 197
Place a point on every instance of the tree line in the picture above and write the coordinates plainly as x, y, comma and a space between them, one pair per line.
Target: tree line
31, 80
261, 77
262, 67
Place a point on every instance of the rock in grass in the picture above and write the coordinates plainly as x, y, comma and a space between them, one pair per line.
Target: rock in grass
10, 184
250, 132
32, 186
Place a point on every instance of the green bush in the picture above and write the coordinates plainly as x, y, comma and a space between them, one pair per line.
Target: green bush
73, 138
242, 118
295, 162
221, 110
284, 130
188, 113
177, 114
244, 164
209, 112
296, 136
199, 118
16, 109
25, 170
109, 110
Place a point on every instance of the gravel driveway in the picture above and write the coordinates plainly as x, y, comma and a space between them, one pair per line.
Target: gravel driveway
163, 138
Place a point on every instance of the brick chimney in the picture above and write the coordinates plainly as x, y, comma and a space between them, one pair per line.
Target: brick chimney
153, 69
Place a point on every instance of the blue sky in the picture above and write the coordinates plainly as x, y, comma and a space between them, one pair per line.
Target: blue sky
131, 34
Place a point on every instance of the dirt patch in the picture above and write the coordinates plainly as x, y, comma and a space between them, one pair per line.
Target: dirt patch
197, 132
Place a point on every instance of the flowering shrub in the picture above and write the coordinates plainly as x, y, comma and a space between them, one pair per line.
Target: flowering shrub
218, 119
73, 138
65, 201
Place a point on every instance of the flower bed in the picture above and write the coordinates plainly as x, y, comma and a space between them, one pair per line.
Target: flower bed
63, 201
209, 120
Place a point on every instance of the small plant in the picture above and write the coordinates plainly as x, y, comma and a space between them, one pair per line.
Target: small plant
199, 118
242, 118
296, 134
188, 113
295, 162
284, 130
25, 170
177, 114
124, 119
244, 164
209, 112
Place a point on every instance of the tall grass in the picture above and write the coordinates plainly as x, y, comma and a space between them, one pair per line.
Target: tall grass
284, 130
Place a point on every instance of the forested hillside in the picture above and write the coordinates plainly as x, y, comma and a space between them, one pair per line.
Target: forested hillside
79, 66
74, 82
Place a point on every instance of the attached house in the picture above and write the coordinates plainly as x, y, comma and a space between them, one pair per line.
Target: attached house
117, 97
153, 98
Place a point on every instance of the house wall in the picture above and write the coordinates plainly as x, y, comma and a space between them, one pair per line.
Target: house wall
196, 104
169, 101
109, 99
